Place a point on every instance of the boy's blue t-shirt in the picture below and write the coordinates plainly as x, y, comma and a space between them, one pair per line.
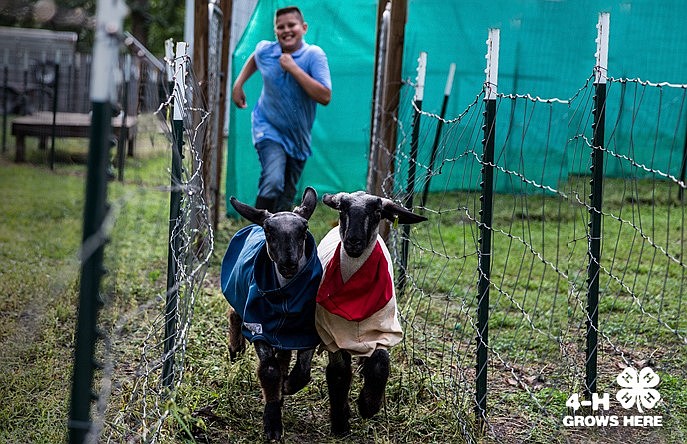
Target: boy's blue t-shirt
284, 112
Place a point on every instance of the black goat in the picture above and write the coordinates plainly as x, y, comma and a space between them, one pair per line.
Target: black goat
270, 276
356, 303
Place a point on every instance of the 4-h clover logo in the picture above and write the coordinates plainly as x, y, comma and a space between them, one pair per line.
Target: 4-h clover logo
638, 388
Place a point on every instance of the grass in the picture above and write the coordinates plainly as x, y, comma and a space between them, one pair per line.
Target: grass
38, 241
536, 330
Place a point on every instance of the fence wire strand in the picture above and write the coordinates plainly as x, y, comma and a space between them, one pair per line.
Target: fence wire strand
538, 309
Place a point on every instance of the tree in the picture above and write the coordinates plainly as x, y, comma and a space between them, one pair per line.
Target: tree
150, 21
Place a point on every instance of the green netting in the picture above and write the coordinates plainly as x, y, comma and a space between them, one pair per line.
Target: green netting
340, 137
547, 50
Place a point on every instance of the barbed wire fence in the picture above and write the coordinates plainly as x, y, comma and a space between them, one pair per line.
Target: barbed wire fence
583, 273
138, 340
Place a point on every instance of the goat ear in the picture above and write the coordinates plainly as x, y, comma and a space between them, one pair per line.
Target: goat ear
253, 214
308, 204
393, 211
332, 200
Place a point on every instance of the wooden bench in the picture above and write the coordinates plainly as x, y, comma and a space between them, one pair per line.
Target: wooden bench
40, 125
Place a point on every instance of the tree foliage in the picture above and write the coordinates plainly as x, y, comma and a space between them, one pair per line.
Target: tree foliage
150, 21
167, 21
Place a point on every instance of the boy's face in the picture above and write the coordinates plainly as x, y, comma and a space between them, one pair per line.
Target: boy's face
289, 30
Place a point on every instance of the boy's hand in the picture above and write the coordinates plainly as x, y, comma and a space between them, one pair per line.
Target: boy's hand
287, 63
238, 96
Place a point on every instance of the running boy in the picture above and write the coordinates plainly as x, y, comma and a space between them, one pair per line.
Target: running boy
295, 78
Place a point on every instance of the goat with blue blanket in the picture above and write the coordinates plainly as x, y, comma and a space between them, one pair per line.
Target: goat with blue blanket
270, 276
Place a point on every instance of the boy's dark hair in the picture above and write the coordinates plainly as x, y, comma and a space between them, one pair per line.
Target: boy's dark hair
289, 10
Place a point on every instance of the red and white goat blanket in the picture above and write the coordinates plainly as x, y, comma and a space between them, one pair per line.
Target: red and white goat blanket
359, 315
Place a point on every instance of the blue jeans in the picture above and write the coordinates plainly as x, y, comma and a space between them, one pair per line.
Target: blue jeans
280, 174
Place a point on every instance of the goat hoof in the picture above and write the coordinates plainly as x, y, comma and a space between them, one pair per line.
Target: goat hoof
236, 352
340, 421
274, 437
370, 402
272, 421
341, 428
235, 355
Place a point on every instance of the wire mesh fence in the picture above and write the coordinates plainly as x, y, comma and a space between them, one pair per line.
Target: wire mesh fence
139, 385
540, 316
540, 255
539, 312
139, 338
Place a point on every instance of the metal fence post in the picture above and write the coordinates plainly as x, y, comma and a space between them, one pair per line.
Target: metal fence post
437, 134
55, 102
485, 226
596, 198
171, 313
109, 21
123, 115
683, 171
4, 98
412, 165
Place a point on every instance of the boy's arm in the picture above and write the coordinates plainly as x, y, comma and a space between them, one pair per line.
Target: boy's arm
315, 90
237, 93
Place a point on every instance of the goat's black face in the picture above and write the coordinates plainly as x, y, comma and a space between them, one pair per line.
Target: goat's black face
359, 216
285, 234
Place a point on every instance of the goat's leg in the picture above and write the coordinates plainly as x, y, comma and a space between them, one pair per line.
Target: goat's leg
375, 374
237, 343
284, 358
339, 375
300, 373
271, 378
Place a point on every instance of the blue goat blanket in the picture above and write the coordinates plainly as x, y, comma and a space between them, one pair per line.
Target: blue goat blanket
284, 317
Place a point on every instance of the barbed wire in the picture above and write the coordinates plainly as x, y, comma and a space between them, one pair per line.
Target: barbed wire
139, 415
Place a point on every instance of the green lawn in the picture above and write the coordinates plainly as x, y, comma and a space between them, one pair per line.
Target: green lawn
536, 331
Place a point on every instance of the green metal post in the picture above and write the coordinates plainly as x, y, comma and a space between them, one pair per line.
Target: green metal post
485, 227
172, 300
171, 312
4, 107
109, 20
596, 200
55, 102
412, 165
91, 272
123, 129
437, 134
683, 170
